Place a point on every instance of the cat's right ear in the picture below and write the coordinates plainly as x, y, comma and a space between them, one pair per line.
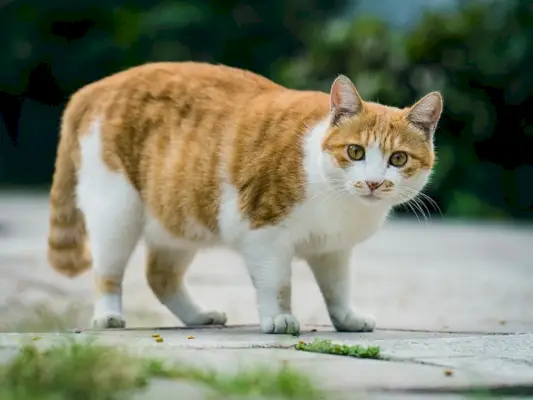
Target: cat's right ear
344, 99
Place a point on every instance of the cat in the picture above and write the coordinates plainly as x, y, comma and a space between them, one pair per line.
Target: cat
191, 155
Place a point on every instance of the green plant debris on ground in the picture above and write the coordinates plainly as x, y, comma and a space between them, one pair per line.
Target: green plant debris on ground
328, 347
84, 370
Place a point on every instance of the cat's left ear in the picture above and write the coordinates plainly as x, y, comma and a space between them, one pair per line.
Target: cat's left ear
425, 114
344, 99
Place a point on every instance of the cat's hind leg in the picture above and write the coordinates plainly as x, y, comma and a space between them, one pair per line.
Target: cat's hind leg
114, 228
165, 272
113, 213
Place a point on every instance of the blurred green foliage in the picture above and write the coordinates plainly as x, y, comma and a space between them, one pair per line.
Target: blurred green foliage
52, 48
480, 57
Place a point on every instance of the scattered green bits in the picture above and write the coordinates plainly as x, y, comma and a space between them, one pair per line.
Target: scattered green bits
328, 347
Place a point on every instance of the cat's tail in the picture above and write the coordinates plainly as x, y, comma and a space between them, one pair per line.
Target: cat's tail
68, 246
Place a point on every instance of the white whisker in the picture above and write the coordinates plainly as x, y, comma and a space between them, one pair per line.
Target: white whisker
407, 204
333, 192
420, 199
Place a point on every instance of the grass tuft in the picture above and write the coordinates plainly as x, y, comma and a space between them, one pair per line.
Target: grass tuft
328, 347
84, 370
72, 370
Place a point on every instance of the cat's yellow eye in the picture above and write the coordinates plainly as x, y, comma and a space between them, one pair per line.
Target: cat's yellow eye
355, 152
398, 159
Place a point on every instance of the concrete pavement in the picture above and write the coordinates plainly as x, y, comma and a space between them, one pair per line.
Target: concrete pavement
446, 295
415, 362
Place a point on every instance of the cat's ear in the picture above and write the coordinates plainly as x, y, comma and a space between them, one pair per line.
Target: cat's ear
344, 99
425, 114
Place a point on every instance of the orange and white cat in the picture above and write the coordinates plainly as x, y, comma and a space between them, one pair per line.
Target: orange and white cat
191, 155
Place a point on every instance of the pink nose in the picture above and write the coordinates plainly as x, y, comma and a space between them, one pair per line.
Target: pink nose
373, 185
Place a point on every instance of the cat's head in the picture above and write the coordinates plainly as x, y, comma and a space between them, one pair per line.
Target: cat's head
379, 154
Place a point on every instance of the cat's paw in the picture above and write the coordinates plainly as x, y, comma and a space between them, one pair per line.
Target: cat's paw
281, 323
351, 321
109, 321
207, 318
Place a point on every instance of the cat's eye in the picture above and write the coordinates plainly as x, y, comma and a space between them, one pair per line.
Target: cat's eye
398, 159
355, 152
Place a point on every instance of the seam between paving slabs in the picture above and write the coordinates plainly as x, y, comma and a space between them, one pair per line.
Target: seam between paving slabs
518, 389
489, 390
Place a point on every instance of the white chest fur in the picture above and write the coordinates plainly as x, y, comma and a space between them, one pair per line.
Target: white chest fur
317, 225
329, 219
334, 224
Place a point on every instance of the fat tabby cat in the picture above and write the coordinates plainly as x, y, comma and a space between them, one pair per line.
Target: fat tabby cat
190, 155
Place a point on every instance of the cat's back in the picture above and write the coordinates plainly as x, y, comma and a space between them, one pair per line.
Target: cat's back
143, 109
136, 103
174, 82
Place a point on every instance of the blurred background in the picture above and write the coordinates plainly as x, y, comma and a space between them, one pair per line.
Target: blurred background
479, 53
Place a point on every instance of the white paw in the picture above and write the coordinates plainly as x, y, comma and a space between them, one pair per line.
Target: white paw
350, 321
281, 323
108, 321
207, 318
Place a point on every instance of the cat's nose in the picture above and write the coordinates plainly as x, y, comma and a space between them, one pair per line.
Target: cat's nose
373, 185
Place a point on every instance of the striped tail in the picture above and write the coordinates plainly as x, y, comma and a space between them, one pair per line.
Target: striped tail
68, 247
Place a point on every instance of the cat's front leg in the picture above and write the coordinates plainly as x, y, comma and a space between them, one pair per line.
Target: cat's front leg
269, 265
332, 273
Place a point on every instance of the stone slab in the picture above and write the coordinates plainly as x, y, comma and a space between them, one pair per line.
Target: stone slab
332, 373
416, 363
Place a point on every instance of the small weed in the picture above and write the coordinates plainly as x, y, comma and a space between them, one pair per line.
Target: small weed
327, 347
87, 371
